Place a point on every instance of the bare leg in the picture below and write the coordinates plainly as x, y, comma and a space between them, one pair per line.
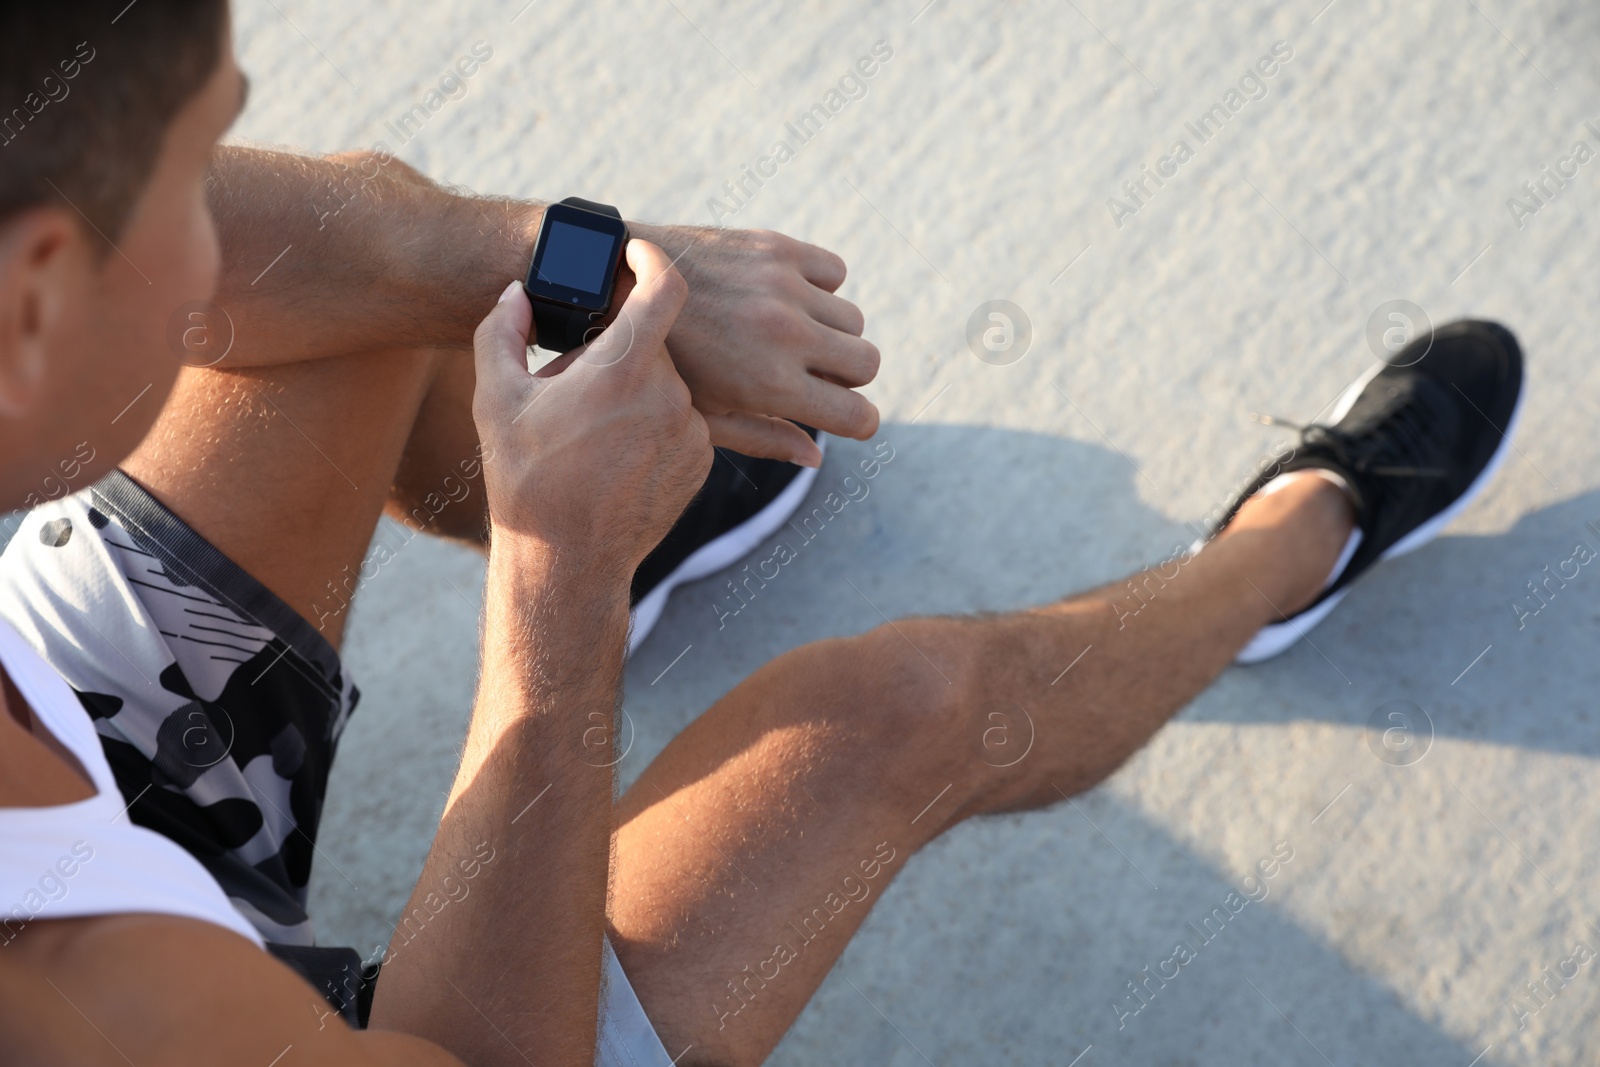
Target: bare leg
752, 848
438, 488
287, 468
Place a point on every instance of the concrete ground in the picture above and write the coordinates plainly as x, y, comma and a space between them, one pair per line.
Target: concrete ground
1381, 161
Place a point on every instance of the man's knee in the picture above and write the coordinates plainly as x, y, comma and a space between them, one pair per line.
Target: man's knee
904, 693
936, 694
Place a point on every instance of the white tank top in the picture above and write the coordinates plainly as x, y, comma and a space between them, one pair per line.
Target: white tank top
87, 858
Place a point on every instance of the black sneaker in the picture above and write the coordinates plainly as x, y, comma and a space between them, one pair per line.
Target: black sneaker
1414, 439
743, 502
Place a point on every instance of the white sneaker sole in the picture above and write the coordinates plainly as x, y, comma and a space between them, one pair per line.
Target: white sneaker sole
723, 551
1276, 638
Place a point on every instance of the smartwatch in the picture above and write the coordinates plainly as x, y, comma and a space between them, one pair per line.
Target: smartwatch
574, 271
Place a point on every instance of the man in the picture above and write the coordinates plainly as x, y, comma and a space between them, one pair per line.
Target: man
175, 593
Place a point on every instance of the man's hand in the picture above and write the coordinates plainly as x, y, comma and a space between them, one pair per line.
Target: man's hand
598, 455
764, 339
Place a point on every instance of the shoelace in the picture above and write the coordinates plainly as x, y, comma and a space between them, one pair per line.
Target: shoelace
1394, 453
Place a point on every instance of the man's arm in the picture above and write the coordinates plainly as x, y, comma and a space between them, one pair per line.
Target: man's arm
359, 252
352, 253
498, 957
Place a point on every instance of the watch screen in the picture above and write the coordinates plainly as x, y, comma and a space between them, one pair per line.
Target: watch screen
577, 258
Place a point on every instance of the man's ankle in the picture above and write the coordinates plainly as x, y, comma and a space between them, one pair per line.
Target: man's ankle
1310, 519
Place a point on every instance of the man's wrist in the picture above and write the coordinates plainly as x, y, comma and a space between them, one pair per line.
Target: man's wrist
508, 230
530, 562
505, 232
554, 624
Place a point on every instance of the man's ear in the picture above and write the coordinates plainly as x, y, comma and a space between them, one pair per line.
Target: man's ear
40, 251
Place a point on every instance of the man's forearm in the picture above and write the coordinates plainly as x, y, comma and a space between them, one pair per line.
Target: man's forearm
507, 960
355, 253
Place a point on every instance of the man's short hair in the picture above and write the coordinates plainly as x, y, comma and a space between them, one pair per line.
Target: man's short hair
87, 91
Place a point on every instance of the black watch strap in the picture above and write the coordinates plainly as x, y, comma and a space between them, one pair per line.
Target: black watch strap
590, 205
560, 329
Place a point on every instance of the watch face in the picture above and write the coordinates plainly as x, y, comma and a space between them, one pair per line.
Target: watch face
575, 260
